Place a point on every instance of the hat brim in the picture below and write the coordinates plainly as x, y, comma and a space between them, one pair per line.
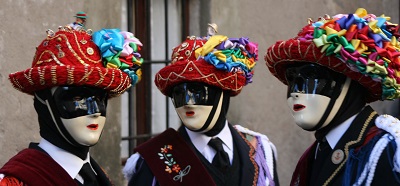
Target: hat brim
198, 71
113, 80
283, 54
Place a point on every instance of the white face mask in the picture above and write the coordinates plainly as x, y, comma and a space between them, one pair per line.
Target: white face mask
308, 109
195, 116
85, 130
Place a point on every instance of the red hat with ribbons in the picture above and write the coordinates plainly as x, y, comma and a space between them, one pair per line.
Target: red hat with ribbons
107, 59
216, 60
361, 46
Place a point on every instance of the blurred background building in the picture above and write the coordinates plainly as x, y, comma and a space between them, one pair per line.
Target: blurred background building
162, 25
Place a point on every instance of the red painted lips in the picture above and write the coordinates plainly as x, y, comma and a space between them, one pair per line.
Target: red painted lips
189, 113
93, 126
298, 107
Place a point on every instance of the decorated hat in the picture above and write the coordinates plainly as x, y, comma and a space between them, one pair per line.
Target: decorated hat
81, 15
217, 60
106, 59
361, 46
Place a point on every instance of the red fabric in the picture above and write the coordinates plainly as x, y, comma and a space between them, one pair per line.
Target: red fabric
186, 68
198, 71
284, 53
34, 167
181, 153
69, 57
372, 132
301, 173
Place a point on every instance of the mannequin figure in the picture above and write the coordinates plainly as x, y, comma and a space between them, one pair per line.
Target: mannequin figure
212, 29
80, 21
200, 81
335, 68
71, 81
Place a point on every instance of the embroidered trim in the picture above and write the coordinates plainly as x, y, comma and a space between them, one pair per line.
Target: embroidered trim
251, 155
171, 165
346, 147
268, 148
212, 77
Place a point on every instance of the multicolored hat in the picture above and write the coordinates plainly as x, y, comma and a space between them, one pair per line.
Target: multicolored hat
106, 59
215, 60
361, 46
81, 15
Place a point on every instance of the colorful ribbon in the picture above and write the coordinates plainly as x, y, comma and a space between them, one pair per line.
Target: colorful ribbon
368, 44
230, 54
120, 50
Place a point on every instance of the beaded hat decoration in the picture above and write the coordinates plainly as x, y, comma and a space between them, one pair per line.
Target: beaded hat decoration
108, 59
361, 46
215, 60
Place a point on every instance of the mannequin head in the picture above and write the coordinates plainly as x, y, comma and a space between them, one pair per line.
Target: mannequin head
200, 107
80, 17
315, 94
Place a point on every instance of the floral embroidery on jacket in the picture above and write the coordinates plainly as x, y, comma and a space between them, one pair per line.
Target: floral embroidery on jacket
171, 165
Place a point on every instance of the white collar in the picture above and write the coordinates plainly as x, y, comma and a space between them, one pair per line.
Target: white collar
70, 163
335, 134
200, 141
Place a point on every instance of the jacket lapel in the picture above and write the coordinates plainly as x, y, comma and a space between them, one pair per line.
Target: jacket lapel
102, 176
352, 138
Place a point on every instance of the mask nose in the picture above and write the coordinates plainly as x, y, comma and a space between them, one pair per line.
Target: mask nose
295, 95
190, 98
92, 107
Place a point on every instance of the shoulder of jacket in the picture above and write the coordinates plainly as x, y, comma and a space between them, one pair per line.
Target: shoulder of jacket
254, 137
391, 125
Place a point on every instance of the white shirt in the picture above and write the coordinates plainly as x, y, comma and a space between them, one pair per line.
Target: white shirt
335, 134
200, 141
70, 163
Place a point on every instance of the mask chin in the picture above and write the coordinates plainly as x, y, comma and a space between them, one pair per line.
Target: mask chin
312, 112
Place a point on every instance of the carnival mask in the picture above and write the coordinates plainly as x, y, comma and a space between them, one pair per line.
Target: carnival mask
82, 112
198, 105
315, 95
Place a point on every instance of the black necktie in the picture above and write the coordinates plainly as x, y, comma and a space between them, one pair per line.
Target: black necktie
323, 153
89, 178
221, 158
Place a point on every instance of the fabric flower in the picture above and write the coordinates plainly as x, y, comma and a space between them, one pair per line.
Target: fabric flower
120, 50
366, 43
